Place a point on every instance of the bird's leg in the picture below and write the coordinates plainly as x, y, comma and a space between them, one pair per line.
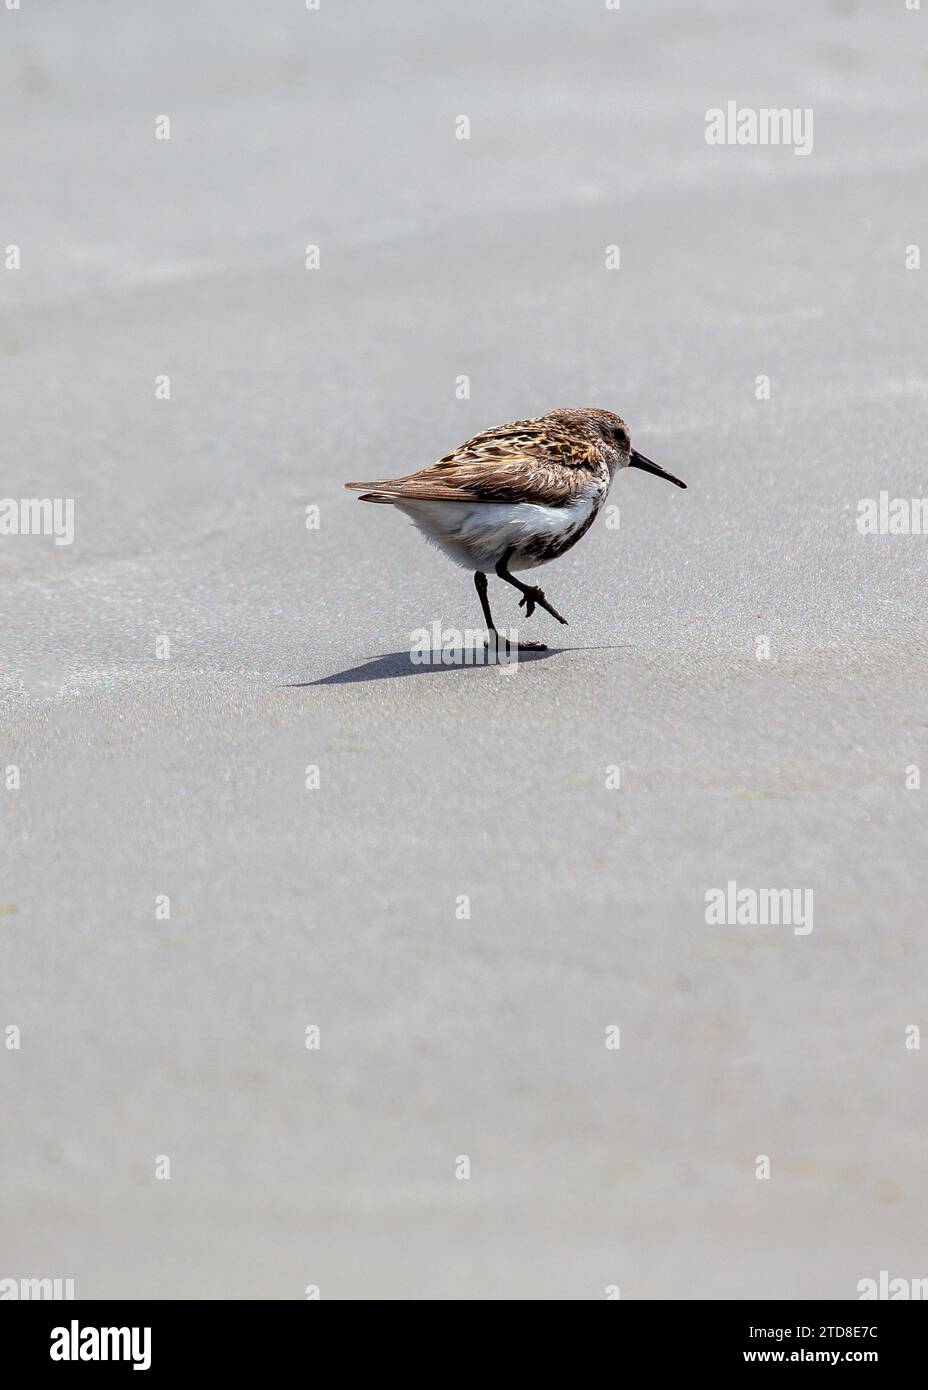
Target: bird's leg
493, 637
531, 595
480, 584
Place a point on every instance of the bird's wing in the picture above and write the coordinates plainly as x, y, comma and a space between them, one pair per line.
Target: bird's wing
526, 461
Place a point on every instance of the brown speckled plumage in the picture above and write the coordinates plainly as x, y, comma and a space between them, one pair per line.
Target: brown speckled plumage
549, 460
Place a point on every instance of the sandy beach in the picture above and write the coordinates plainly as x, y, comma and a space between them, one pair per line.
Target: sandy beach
169, 678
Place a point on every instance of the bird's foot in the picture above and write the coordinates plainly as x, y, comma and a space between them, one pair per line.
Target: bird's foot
498, 645
532, 596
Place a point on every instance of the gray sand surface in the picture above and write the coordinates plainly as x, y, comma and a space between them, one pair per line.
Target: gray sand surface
336, 907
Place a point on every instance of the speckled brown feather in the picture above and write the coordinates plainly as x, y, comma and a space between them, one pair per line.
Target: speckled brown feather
550, 460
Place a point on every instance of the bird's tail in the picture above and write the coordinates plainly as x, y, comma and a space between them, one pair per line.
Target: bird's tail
373, 495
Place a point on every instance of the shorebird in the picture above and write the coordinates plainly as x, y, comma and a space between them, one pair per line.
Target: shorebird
516, 496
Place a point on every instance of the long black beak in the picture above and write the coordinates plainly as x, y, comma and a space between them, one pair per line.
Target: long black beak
639, 461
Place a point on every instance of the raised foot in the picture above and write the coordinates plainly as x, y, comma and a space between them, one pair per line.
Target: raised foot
532, 596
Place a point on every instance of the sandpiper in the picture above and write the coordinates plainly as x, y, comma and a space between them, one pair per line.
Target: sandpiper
517, 496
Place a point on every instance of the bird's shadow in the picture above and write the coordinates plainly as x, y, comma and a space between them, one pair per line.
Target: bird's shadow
394, 665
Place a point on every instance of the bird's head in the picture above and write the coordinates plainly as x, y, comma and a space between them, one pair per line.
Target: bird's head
610, 433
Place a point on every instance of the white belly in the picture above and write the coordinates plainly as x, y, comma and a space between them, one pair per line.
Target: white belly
478, 534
